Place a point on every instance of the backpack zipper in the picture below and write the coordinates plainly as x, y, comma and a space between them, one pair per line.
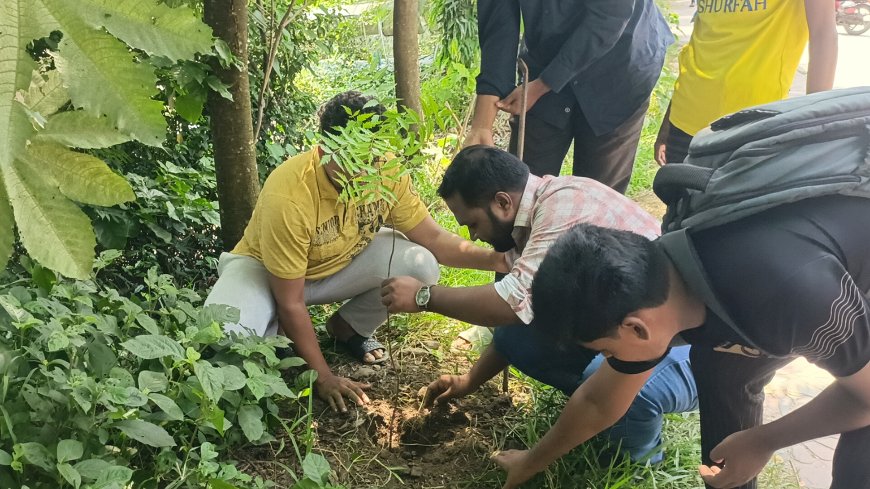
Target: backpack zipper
789, 127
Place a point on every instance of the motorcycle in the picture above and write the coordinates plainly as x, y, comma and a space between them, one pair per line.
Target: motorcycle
853, 16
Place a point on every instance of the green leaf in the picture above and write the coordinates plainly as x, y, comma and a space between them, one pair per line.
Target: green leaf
34, 454
223, 51
81, 177
147, 323
89, 61
5, 457
315, 467
7, 226
153, 381
256, 386
68, 450
234, 379
114, 476
219, 484
189, 106
211, 379
251, 421
168, 406
176, 33
57, 341
19, 27
149, 347
218, 313
101, 358
289, 362
92, 468
215, 416
55, 231
78, 129
46, 93
70, 474
145, 432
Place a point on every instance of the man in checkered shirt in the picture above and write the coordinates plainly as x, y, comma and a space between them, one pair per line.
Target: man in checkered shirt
492, 193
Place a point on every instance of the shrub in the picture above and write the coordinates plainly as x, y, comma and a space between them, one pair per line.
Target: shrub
98, 390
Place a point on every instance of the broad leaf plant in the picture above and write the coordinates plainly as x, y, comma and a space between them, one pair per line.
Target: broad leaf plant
97, 92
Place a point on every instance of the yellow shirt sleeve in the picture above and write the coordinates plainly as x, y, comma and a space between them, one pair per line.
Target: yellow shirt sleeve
409, 209
285, 236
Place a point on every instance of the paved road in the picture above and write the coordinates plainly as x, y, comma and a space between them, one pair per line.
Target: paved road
800, 381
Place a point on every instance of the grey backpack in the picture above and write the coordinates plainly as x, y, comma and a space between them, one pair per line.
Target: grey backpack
760, 158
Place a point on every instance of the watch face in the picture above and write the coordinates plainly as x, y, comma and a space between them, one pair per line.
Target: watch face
422, 297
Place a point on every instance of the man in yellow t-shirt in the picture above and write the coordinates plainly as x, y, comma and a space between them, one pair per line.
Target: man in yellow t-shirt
744, 53
304, 245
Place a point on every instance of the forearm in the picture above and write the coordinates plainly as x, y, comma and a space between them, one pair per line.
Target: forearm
665, 128
476, 305
580, 420
834, 411
485, 112
821, 22
490, 364
454, 251
296, 325
822, 62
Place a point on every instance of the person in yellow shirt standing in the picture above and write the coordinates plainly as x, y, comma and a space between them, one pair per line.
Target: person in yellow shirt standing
744, 53
305, 245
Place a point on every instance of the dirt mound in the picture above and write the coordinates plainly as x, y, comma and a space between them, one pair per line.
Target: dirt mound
392, 442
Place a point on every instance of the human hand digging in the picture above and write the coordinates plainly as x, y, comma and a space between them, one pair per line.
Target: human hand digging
333, 389
517, 464
445, 388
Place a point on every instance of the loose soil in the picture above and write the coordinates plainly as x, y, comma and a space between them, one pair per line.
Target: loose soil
392, 442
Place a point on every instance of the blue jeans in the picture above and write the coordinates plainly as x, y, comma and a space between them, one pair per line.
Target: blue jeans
670, 389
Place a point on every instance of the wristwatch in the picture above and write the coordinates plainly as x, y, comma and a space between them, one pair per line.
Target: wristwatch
422, 297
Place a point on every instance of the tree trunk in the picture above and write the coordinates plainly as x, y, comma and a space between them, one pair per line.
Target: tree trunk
232, 130
406, 52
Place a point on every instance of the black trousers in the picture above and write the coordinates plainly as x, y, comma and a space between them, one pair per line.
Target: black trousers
608, 158
731, 398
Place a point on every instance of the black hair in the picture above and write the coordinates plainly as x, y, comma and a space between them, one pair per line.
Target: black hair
592, 278
334, 116
479, 172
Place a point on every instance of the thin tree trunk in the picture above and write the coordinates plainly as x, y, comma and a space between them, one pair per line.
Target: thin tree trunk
232, 132
406, 52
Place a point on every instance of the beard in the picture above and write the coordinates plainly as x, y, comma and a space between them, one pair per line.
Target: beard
501, 239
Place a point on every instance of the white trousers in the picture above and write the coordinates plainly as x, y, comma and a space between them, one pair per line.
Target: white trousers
244, 284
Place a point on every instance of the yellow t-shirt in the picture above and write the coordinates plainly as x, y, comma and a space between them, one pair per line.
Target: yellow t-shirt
300, 228
741, 53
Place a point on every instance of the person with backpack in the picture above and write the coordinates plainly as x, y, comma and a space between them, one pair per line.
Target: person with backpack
764, 259
492, 193
745, 53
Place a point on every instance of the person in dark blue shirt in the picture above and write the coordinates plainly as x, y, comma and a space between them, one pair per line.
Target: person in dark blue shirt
592, 66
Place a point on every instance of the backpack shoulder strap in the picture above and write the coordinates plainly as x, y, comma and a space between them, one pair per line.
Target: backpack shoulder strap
678, 246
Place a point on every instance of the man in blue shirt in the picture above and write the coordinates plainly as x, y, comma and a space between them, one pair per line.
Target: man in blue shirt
592, 66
